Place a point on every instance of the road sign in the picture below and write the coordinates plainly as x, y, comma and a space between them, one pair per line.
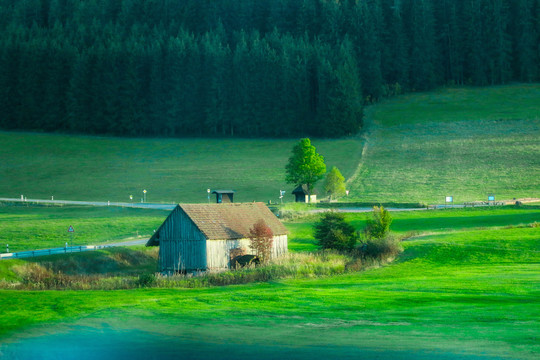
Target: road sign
449, 199
491, 197
71, 229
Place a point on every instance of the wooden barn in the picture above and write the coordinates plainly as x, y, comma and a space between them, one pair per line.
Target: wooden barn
197, 237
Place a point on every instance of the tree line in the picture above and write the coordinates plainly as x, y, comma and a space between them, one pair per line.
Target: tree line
255, 68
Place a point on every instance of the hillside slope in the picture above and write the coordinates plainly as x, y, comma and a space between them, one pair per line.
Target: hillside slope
171, 170
467, 142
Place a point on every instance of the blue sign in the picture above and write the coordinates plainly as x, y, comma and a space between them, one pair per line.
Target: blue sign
491, 197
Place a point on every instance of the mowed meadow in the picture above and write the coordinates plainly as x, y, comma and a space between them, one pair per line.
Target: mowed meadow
171, 170
466, 287
460, 142
42, 227
464, 142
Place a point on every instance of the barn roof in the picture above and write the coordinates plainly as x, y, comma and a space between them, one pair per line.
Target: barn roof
228, 221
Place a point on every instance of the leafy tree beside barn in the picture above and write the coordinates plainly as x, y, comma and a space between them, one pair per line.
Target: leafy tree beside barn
261, 240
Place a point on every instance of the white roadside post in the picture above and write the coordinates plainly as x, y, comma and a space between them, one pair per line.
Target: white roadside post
208, 192
71, 232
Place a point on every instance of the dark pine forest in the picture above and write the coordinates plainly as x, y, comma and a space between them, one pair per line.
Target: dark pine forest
250, 68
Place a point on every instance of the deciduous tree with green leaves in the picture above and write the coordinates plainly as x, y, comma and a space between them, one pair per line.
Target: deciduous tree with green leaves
379, 226
305, 166
334, 184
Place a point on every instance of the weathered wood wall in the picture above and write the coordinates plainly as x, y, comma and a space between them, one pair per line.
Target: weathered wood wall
182, 245
218, 251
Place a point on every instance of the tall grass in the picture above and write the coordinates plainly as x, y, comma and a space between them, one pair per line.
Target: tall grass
35, 276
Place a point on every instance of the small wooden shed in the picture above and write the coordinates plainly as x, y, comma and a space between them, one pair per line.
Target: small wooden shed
198, 237
224, 196
301, 194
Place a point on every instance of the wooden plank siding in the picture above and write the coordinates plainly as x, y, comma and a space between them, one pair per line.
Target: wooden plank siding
218, 252
182, 245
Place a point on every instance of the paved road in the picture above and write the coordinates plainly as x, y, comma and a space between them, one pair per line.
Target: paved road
67, 250
93, 203
42, 252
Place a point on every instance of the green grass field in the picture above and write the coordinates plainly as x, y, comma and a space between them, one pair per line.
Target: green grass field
41, 227
471, 291
467, 142
466, 287
410, 223
171, 170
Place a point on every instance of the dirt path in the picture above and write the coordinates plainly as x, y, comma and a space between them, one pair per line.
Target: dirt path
367, 132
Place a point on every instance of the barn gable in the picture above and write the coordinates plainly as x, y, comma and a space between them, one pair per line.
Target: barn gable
181, 244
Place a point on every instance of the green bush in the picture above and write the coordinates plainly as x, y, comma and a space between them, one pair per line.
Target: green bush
379, 226
146, 280
382, 248
333, 232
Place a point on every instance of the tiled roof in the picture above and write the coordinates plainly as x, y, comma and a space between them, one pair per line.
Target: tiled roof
231, 221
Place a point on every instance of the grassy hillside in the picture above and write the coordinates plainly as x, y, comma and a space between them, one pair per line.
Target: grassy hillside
40, 227
171, 170
465, 142
469, 292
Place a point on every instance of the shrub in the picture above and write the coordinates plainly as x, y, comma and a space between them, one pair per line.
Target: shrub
379, 226
382, 248
333, 232
146, 280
